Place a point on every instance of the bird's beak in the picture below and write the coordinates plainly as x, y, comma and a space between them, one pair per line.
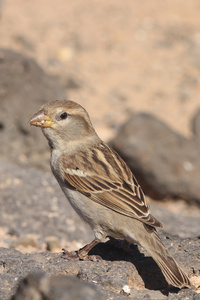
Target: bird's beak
41, 120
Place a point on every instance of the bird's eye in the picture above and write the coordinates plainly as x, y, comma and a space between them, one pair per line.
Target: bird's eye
63, 115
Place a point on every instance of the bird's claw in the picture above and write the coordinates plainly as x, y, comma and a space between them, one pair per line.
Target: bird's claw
80, 255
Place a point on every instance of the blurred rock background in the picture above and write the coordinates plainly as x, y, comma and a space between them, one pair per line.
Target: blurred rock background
135, 67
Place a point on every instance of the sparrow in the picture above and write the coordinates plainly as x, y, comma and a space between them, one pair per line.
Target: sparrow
100, 186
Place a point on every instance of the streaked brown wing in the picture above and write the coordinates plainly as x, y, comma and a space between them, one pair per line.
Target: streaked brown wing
124, 198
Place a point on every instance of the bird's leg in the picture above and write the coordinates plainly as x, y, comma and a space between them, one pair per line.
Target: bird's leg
82, 253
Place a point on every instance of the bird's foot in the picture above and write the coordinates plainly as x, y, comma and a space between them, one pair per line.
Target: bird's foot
78, 255
70, 255
82, 254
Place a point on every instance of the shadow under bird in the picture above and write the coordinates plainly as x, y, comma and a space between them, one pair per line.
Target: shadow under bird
100, 186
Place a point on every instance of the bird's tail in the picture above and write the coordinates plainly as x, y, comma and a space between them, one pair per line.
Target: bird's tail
174, 275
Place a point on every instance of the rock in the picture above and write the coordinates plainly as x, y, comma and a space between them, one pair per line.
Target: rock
40, 286
164, 162
24, 87
116, 269
177, 218
32, 202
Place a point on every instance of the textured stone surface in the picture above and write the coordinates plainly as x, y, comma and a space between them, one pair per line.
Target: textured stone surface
117, 269
33, 203
40, 286
34, 212
165, 162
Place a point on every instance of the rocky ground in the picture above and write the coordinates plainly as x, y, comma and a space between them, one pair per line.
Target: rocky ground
135, 67
37, 220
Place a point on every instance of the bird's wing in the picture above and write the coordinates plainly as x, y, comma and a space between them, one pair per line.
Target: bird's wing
115, 188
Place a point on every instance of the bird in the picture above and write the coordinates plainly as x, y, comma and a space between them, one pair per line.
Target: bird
100, 186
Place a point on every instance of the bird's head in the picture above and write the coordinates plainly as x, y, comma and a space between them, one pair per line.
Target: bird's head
62, 122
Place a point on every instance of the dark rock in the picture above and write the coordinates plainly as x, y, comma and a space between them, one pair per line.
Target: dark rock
117, 269
40, 286
164, 162
24, 87
178, 219
32, 202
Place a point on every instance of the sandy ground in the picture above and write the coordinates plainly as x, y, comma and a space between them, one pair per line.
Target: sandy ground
114, 57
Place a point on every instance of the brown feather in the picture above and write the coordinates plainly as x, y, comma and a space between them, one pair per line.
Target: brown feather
116, 189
